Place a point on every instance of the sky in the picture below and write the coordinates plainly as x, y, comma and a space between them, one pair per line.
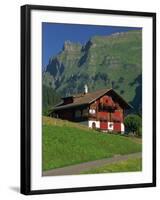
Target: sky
55, 34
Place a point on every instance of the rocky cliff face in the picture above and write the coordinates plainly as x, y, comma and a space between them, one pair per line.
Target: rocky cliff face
103, 62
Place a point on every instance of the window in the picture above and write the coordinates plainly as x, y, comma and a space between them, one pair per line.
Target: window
93, 125
92, 111
78, 113
85, 112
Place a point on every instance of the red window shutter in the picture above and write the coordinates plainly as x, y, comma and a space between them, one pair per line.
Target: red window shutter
103, 116
117, 127
103, 125
117, 116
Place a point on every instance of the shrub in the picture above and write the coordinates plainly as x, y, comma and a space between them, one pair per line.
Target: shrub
139, 132
133, 124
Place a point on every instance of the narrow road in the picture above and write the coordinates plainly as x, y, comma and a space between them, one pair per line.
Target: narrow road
78, 168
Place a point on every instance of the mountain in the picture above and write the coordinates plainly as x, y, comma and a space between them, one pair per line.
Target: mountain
103, 62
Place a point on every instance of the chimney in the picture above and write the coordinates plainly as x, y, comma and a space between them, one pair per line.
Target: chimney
85, 89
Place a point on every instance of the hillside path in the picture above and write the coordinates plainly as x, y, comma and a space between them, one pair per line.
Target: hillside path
78, 168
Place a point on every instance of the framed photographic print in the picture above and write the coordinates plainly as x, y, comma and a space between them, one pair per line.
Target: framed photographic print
88, 99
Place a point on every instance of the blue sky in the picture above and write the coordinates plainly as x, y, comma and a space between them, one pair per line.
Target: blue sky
54, 35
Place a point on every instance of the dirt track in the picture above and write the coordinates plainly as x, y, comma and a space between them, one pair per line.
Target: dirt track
78, 168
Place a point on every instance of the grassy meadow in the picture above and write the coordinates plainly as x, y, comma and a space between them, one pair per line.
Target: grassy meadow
66, 143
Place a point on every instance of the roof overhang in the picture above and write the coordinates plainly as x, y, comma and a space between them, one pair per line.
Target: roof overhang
69, 106
114, 94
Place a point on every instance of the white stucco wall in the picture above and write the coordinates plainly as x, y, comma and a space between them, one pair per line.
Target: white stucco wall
110, 125
122, 128
96, 122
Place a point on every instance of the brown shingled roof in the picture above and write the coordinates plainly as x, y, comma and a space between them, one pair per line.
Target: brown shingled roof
84, 99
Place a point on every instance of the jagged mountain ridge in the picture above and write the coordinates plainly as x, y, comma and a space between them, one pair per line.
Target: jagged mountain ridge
103, 62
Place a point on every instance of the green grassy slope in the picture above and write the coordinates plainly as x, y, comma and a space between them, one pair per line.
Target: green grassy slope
68, 143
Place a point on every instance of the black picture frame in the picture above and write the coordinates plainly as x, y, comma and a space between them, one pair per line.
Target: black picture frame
26, 98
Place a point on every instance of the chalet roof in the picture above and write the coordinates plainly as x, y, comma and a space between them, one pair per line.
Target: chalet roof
85, 99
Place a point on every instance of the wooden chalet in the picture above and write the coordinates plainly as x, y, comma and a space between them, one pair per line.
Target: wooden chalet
103, 110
